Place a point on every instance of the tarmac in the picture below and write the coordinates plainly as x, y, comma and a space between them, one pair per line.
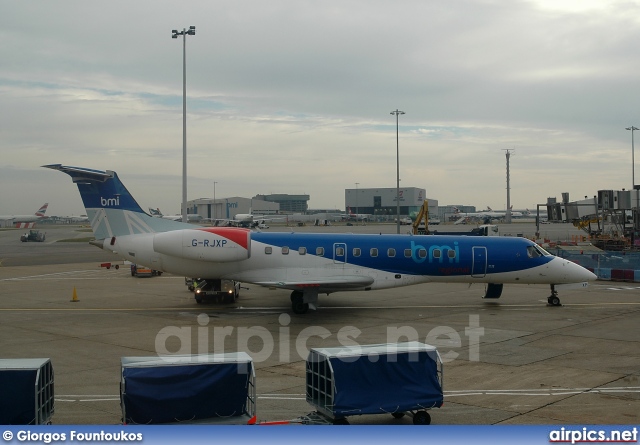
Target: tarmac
511, 361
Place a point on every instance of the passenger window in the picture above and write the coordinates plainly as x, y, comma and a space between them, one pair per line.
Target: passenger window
436, 253
285, 250
373, 252
407, 253
422, 253
302, 250
339, 251
391, 253
267, 250
356, 251
320, 251
451, 253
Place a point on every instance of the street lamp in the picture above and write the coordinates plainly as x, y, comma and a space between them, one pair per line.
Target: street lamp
357, 202
633, 162
192, 32
215, 204
397, 113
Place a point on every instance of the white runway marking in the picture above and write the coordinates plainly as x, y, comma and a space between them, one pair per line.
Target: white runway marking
459, 393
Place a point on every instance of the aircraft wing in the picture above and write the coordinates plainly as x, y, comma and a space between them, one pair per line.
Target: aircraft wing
264, 218
324, 284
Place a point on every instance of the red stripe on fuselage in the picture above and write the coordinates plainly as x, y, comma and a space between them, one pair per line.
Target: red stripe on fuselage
237, 235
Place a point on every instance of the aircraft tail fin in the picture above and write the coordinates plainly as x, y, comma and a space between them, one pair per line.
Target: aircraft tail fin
110, 207
42, 210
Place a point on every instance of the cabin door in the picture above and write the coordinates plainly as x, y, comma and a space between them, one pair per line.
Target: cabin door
479, 264
340, 253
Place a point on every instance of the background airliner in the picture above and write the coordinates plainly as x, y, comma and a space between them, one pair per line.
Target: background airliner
26, 221
485, 216
310, 264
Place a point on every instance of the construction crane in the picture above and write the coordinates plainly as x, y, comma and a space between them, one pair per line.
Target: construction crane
422, 218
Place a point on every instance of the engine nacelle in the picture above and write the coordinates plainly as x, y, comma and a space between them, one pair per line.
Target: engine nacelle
217, 244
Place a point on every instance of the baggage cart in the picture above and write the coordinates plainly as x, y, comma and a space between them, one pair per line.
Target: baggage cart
394, 379
204, 388
26, 385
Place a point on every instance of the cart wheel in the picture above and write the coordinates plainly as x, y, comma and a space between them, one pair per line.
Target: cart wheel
421, 418
342, 421
397, 415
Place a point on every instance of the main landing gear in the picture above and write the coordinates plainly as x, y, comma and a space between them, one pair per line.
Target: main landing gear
301, 301
553, 299
298, 306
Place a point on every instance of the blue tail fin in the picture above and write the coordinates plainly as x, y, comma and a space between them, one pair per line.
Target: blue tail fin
110, 207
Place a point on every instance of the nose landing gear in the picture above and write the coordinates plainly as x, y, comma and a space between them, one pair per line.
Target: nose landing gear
553, 299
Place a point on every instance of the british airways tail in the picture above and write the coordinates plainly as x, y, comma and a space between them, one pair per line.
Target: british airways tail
42, 210
110, 207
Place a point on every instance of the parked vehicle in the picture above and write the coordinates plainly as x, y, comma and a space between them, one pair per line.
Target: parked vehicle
33, 235
226, 291
138, 270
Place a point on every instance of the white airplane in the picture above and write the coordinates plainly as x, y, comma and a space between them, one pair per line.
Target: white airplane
190, 217
357, 216
26, 221
248, 221
310, 264
76, 219
485, 216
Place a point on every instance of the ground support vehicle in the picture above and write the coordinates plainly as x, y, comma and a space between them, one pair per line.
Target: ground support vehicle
200, 388
394, 378
138, 270
33, 235
225, 291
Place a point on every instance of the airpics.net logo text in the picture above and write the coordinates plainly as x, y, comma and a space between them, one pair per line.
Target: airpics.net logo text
264, 344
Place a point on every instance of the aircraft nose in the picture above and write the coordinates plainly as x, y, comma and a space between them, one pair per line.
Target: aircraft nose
577, 273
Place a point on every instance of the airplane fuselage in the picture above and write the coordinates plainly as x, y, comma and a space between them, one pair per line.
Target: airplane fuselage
293, 260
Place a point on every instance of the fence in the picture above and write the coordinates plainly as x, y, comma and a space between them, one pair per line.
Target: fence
614, 266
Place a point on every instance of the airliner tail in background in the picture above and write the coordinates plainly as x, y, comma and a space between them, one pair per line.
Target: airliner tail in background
26, 221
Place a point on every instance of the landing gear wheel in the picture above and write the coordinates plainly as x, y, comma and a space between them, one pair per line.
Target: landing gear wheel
421, 418
553, 300
397, 415
297, 303
229, 298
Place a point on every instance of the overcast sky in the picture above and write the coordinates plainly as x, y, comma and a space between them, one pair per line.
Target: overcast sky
294, 96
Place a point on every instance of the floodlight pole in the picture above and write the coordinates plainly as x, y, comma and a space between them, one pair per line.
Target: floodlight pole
397, 113
357, 202
215, 204
192, 32
633, 162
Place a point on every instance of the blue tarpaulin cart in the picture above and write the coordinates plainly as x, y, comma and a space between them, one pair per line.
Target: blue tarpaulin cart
205, 388
26, 385
394, 378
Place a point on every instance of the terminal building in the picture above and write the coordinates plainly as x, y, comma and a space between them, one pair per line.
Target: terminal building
227, 208
381, 203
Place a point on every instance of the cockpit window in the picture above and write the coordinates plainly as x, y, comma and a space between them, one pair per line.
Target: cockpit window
542, 251
535, 252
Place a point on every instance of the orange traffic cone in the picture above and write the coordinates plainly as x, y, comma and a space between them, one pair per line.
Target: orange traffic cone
74, 299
